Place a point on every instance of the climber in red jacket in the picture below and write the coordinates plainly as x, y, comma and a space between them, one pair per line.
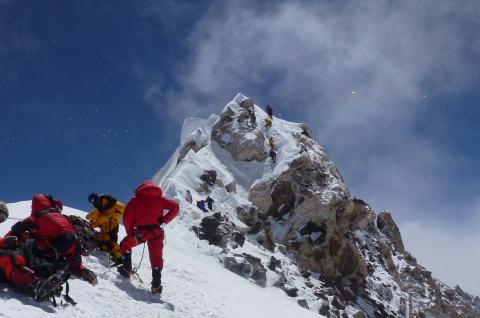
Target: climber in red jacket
54, 237
142, 219
13, 267
39, 283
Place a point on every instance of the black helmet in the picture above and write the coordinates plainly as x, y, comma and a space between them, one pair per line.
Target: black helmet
93, 197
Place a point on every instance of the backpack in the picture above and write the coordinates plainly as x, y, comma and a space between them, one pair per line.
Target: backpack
85, 233
3, 212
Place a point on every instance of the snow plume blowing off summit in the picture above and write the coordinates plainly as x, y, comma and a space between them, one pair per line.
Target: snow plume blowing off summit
288, 221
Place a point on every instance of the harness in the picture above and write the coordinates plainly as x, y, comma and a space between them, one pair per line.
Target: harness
47, 211
148, 228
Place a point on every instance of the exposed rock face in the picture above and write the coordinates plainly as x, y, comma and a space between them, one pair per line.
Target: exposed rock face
283, 199
195, 142
231, 187
250, 217
218, 230
188, 196
261, 197
248, 266
237, 132
387, 226
323, 247
209, 177
265, 239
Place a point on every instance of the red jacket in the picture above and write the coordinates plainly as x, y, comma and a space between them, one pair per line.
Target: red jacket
147, 207
46, 221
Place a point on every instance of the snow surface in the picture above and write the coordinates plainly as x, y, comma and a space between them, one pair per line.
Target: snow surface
195, 285
179, 178
195, 282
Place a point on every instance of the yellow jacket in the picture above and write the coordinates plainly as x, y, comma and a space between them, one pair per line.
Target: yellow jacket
106, 220
270, 142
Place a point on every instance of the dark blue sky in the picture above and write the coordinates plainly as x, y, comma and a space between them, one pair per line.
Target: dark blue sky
73, 117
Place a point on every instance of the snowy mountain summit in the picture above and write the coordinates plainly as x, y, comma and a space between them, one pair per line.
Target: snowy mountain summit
292, 223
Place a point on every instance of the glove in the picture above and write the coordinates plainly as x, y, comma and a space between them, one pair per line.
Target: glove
10, 242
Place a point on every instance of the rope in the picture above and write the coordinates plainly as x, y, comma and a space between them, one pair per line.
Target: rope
136, 268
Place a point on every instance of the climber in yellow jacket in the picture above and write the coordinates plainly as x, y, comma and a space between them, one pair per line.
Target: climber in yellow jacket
106, 216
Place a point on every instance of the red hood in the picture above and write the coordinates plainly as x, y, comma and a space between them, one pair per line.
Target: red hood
40, 202
148, 188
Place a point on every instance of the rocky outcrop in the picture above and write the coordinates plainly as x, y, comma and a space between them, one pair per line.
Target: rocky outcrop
326, 249
218, 230
248, 266
251, 218
387, 226
237, 132
260, 195
194, 142
209, 177
319, 239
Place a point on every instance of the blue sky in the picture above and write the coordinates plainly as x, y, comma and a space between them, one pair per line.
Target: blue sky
93, 95
74, 118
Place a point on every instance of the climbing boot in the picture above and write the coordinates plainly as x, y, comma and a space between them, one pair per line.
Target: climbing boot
126, 268
156, 280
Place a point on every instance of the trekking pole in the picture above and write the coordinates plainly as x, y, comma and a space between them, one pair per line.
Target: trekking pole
12, 218
109, 247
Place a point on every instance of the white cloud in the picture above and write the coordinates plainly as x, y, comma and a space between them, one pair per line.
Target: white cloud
307, 57
452, 254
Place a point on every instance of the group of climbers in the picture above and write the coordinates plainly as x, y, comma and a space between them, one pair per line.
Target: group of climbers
268, 124
142, 218
208, 201
40, 252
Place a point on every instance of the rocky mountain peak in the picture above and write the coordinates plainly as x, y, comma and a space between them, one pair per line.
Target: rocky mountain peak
291, 222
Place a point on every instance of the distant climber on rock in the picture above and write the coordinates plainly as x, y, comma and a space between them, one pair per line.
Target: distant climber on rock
210, 202
267, 123
201, 205
142, 219
271, 143
54, 238
106, 216
273, 155
269, 111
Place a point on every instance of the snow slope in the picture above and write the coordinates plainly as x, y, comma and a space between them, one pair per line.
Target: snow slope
195, 285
